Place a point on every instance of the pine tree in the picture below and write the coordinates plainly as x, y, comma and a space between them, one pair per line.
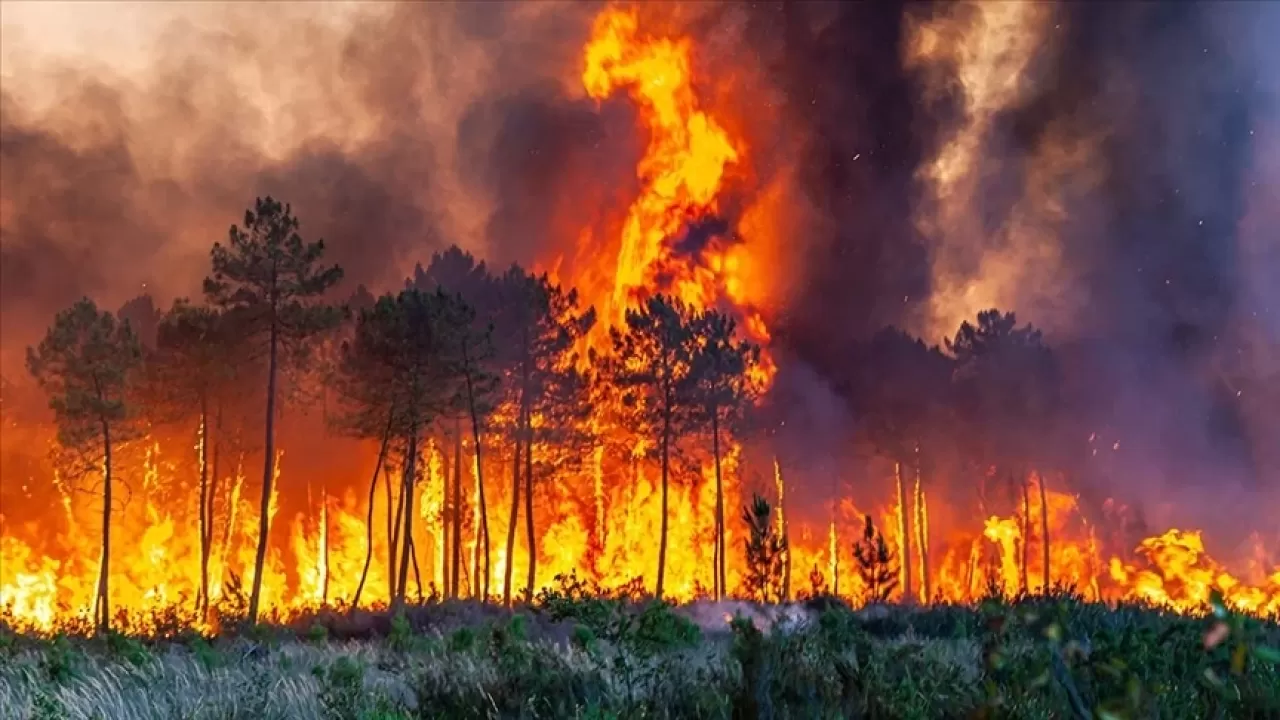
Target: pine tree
273, 282
764, 549
651, 365
877, 564
721, 387
86, 365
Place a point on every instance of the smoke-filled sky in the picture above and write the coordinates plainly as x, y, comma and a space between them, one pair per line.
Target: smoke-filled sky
1109, 171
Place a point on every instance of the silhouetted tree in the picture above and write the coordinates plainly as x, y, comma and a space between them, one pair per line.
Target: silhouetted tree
273, 281
85, 364
904, 391
765, 548
651, 364
538, 327
400, 372
191, 372
877, 565
721, 386
1008, 388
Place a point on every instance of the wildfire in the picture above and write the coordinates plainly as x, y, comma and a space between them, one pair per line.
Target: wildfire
600, 520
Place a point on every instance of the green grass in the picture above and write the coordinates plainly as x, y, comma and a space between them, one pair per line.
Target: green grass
577, 656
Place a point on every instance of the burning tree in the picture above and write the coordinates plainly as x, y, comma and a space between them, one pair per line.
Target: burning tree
721, 389
651, 366
400, 373
904, 391
877, 565
273, 281
191, 373
1007, 384
86, 364
539, 325
765, 548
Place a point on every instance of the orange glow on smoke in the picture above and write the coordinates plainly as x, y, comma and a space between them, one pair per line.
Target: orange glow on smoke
599, 520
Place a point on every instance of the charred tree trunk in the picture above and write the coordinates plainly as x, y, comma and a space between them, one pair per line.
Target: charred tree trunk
475, 435
515, 514
1044, 530
904, 532
719, 569
530, 530
202, 596
666, 461
406, 502
1026, 533
455, 559
393, 531
368, 523
104, 572
268, 473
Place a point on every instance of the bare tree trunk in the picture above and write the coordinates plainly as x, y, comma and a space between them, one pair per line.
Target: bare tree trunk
719, 569
368, 523
393, 531
530, 530
515, 515
456, 560
922, 534
268, 476
211, 507
410, 470
785, 533
904, 532
484, 510
666, 462
104, 572
1044, 530
417, 574
202, 596
1026, 533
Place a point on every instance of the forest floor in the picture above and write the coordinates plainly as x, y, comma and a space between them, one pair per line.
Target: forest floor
575, 656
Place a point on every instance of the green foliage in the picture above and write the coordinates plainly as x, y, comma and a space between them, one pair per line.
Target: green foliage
877, 564
765, 549
85, 365
1043, 657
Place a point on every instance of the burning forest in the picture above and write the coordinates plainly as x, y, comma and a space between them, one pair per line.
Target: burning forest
675, 310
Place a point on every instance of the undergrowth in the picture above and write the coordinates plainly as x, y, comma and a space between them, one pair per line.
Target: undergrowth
579, 653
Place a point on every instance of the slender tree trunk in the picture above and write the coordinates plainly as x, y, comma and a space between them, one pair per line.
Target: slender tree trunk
484, 510
1044, 530
104, 572
922, 534
393, 530
666, 458
268, 475
417, 573
211, 507
202, 597
1026, 533
904, 532
368, 523
719, 569
457, 512
410, 470
530, 531
784, 531
515, 513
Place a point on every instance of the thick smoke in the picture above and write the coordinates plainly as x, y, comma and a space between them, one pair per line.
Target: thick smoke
1126, 198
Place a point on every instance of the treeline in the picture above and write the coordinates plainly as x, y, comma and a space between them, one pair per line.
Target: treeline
460, 350
499, 358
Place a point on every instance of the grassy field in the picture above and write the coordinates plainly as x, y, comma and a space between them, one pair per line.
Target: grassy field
573, 656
